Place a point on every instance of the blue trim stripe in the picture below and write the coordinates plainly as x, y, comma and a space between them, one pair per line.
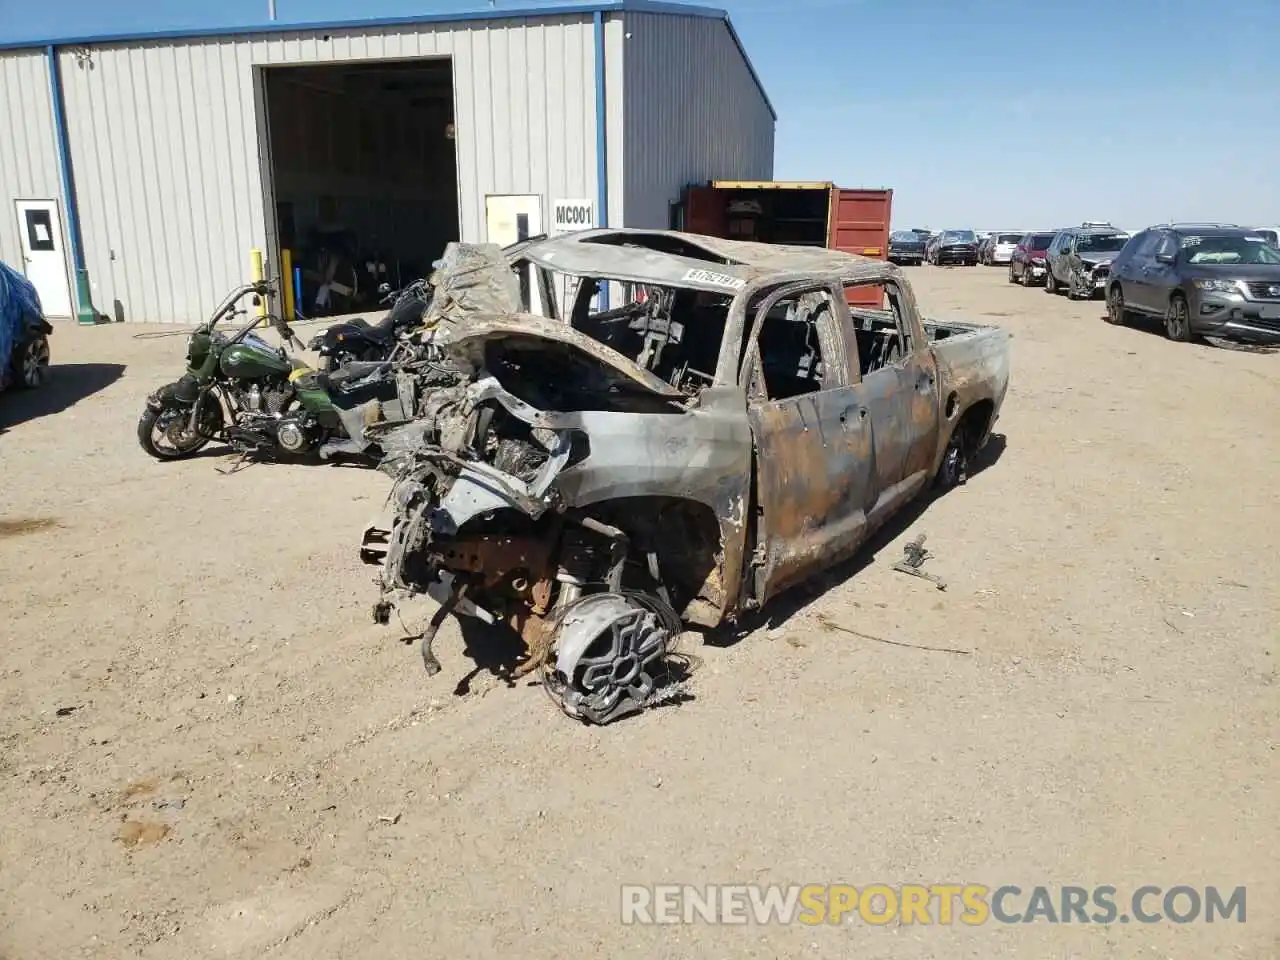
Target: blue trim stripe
602, 142
63, 144
486, 13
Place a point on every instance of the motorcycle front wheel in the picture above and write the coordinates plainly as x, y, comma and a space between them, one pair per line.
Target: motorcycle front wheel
164, 435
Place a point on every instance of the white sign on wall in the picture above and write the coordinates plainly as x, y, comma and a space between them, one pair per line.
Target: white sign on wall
570, 215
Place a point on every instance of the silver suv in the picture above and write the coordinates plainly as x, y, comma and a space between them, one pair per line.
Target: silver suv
1079, 260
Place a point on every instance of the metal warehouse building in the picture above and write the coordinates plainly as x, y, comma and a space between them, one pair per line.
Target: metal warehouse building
139, 172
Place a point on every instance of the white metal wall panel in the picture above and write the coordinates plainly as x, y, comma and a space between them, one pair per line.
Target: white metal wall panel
693, 113
165, 140
28, 151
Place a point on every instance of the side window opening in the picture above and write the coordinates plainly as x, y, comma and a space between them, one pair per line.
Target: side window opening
884, 337
790, 350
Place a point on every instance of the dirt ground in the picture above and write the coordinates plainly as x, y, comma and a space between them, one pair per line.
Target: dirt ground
208, 750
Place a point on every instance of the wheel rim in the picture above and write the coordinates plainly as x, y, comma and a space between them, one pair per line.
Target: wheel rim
34, 364
1177, 320
169, 433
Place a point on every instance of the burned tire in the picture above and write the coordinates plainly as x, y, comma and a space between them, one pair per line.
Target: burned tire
953, 471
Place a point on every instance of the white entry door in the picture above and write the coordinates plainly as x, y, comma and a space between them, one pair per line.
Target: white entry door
45, 262
508, 219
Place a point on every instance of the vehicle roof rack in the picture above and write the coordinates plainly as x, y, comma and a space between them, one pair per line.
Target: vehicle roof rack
1191, 224
1097, 223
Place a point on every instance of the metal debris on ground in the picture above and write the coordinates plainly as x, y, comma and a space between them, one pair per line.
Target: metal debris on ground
832, 625
914, 556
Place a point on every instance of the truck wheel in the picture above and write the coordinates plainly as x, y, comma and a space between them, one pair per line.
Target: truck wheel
1050, 281
954, 469
1177, 322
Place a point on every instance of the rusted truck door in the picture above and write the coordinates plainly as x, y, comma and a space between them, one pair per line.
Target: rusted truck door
812, 435
901, 392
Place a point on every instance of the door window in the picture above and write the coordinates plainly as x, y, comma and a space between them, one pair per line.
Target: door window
1144, 247
883, 341
789, 359
1167, 245
39, 231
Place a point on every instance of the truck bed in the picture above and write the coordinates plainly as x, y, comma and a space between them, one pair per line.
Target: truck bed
973, 359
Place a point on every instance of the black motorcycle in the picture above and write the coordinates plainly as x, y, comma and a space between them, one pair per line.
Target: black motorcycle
358, 340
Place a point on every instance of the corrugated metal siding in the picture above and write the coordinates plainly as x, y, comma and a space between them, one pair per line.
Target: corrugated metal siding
28, 151
693, 113
165, 136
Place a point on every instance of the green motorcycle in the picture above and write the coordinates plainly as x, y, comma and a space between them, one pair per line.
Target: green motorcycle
241, 390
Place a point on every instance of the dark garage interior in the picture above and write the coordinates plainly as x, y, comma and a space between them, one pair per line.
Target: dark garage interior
364, 174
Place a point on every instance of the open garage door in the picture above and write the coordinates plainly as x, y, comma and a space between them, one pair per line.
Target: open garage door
364, 175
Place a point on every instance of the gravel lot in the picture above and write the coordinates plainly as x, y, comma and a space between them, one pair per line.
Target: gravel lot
208, 750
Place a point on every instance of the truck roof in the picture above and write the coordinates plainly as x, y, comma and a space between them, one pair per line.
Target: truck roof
672, 257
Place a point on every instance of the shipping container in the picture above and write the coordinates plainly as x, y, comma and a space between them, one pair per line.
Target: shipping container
816, 214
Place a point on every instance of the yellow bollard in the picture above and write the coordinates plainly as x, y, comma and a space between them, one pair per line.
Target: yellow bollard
286, 278
256, 276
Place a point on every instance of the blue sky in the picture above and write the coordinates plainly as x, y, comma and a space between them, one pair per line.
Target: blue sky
983, 113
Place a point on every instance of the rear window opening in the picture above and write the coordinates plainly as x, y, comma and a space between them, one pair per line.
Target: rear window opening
659, 243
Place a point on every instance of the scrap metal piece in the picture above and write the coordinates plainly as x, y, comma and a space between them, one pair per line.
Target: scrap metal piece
429, 661
914, 556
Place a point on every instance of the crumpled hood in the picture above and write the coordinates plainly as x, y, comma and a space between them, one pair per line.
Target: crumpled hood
472, 279
1097, 259
526, 335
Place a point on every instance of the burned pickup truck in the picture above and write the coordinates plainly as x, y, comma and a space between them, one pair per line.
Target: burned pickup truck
597, 478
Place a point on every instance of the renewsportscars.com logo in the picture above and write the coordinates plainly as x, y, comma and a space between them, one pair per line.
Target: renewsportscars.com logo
943, 904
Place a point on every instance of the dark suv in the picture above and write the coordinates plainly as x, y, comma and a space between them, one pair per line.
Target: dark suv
1079, 260
953, 246
1200, 279
906, 246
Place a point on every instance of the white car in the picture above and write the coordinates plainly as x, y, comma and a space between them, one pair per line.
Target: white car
999, 250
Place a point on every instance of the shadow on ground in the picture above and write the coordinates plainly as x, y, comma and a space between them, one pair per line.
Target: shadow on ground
1144, 323
796, 600
67, 385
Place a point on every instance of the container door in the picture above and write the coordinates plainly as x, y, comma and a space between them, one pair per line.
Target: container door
860, 225
706, 211
44, 261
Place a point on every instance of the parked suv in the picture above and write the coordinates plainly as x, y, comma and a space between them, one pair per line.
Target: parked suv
1027, 265
1216, 280
998, 248
906, 246
953, 246
1079, 260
